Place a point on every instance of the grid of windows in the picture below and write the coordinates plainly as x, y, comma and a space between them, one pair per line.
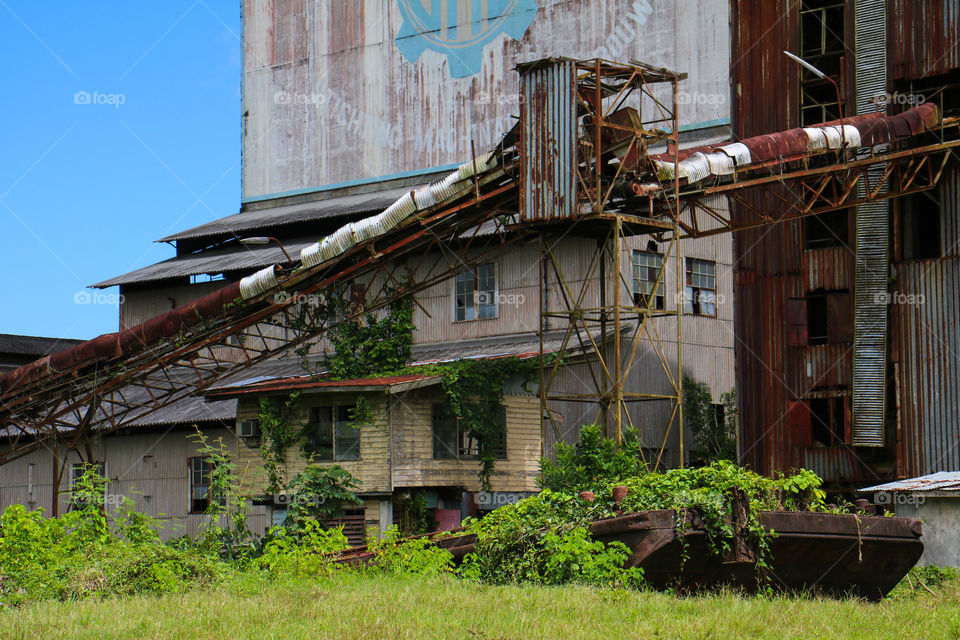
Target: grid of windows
331, 435
475, 294
700, 297
452, 440
646, 266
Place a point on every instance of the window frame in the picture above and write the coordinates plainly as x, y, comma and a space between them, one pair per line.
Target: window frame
692, 303
466, 448
639, 297
472, 313
206, 469
337, 425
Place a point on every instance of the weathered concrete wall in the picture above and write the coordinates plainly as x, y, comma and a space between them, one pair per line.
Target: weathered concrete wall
340, 91
941, 529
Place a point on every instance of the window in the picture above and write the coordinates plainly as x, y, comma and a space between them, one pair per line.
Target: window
826, 230
475, 296
646, 268
920, 226
700, 298
330, 434
201, 469
76, 473
452, 440
822, 45
199, 278
829, 317
820, 422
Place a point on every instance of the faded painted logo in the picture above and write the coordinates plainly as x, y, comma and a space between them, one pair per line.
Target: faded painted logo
460, 28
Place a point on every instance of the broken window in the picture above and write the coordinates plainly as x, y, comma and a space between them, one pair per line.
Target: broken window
920, 226
646, 268
330, 434
829, 317
475, 294
822, 45
819, 422
452, 439
829, 229
700, 297
828, 421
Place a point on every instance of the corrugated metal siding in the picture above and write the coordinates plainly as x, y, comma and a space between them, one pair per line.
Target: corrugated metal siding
926, 343
872, 244
922, 37
548, 116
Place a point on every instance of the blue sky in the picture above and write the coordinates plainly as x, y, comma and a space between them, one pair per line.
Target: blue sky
89, 181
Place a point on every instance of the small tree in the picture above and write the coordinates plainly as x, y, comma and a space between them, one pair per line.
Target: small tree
715, 438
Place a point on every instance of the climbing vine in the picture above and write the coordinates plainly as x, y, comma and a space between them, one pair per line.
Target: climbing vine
368, 346
277, 434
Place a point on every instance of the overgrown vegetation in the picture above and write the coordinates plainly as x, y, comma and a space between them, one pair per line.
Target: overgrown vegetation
371, 345
594, 461
715, 435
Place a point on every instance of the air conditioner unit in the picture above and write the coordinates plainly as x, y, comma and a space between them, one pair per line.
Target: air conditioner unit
249, 428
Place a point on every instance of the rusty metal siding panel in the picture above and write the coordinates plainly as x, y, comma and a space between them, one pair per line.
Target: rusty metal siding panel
548, 117
926, 313
833, 464
922, 37
872, 244
830, 268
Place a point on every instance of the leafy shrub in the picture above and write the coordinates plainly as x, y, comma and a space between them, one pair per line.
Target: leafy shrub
319, 493
715, 438
419, 556
544, 540
303, 553
594, 461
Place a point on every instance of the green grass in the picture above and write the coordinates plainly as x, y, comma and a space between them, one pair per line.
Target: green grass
367, 606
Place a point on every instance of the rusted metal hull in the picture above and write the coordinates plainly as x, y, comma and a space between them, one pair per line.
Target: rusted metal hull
862, 556
841, 555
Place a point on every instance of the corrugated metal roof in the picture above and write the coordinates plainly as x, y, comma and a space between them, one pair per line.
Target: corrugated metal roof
292, 367
940, 481
247, 221
394, 383
237, 258
33, 345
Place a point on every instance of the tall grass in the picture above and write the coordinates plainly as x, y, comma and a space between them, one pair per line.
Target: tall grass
385, 606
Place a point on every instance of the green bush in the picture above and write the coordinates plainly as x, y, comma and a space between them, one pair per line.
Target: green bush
419, 556
302, 553
593, 461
